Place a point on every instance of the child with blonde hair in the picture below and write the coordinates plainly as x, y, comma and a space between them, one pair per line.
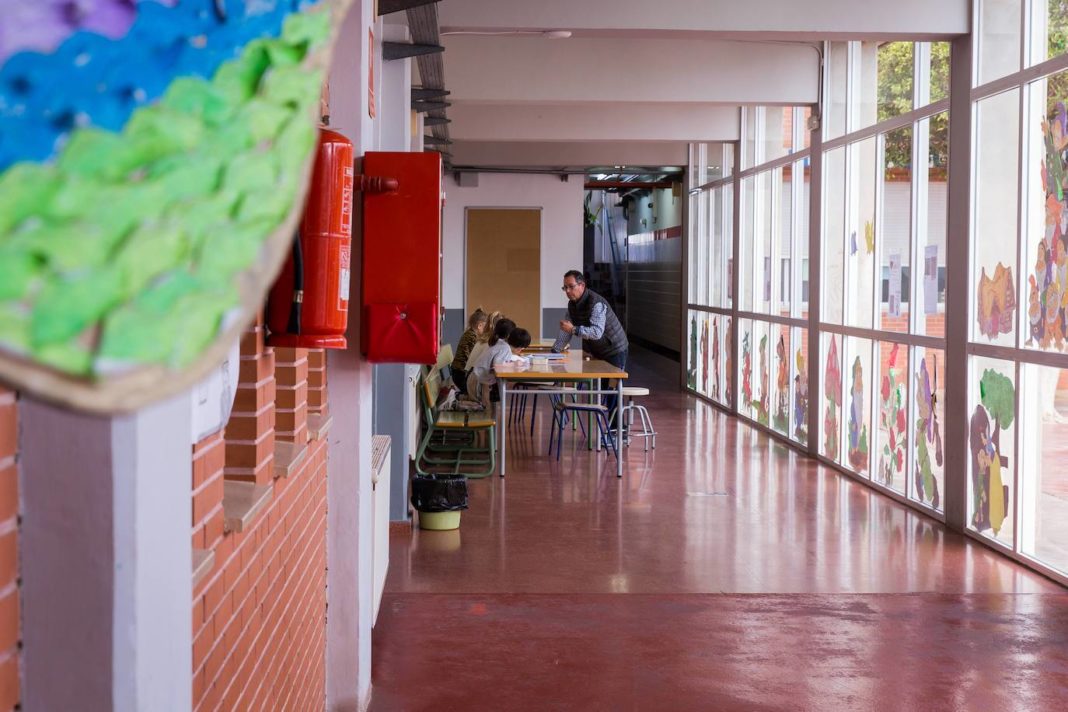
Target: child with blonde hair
483, 339
476, 326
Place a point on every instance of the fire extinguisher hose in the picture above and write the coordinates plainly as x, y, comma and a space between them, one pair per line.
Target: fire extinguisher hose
293, 327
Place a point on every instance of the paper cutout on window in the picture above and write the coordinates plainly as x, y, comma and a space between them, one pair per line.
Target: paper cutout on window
852, 243
728, 363
996, 302
893, 421
763, 402
781, 419
715, 358
928, 431
869, 237
930, 279
801, 398
691, 372
832, 392
704, 354
895, 285
990, 474
1047, 308
747, 372
767, 279
857, 447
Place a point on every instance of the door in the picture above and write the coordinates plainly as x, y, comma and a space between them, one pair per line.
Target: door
503, 262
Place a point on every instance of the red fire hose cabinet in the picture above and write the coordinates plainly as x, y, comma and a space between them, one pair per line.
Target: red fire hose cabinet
402, 259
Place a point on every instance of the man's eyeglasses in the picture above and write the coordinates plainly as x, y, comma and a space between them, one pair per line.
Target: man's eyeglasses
567, 287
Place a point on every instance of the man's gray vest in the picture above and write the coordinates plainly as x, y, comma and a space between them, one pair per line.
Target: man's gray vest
613, 340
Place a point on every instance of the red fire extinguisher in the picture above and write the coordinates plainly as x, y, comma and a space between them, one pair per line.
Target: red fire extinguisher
308, 305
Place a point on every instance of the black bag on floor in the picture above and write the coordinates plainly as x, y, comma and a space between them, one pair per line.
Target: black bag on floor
439, 493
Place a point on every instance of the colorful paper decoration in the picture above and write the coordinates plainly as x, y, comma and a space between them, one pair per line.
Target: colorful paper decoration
153, 160
893, 421
990, 476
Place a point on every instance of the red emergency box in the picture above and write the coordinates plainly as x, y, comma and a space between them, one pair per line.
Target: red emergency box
402, 259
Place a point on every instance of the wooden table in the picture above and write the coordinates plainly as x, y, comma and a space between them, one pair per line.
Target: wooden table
573, 368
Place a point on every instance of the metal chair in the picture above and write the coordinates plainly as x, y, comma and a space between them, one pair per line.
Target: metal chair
562, 410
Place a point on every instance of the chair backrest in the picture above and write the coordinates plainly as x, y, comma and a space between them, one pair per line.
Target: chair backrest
445, 356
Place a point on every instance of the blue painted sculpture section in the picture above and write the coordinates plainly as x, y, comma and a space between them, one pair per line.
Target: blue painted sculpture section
103, 75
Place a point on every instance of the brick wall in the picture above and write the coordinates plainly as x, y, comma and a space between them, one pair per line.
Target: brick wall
259, 613
9, 557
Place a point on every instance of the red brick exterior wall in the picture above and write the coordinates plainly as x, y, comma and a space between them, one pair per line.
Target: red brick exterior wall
259, 615
10, 630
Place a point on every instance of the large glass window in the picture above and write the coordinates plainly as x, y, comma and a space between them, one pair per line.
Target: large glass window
999, 39
997, 178
1018, 398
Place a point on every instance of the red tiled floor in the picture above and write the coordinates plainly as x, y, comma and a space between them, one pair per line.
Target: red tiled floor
568, 589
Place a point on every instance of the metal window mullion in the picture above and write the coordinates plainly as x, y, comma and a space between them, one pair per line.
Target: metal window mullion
921, 74
921, 183
775, 163
851, 89
775, 190
815, 228
877, 231
797, 197
1042, 69
959, 228
896, 337
734, 275
1017, 474
1025, 30
891, 124
848, 217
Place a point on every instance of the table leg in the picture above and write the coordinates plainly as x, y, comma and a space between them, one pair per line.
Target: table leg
590, 420
619, 427
501, 427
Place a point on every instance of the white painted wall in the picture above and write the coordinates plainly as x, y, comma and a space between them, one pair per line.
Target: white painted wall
349, 552
561, 227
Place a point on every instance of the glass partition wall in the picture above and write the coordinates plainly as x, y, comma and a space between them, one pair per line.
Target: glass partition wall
1017, 410
878, 343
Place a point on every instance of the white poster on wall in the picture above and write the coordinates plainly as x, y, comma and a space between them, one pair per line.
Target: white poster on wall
767, 279
930, 279
895, 285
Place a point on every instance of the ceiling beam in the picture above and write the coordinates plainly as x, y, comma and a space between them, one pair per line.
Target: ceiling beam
708, 19
602, 121
404, 50
560, 154
388, 7
534, 70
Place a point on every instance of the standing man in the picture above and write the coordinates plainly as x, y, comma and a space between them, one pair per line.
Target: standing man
590, 318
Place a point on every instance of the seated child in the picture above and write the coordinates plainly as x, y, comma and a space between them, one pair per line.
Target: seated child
476, 325
483, 339
504, 345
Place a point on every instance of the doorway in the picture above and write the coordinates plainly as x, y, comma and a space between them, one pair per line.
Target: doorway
503, 255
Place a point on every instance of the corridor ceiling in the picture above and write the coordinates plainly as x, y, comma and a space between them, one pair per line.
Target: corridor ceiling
572, 83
